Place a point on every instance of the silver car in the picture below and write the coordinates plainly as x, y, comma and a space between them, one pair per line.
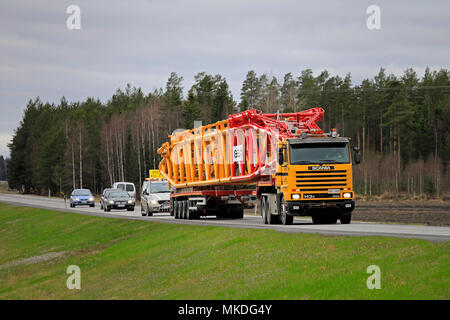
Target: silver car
155, 197
118, 200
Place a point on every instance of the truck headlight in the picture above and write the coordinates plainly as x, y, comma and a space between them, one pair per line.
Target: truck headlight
153, 201
347, 195
295, 196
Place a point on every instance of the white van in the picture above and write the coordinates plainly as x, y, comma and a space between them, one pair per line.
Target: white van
126, 186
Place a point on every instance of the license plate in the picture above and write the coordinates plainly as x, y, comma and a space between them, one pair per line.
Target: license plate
330, 191
164, 207
121, 206
83, 201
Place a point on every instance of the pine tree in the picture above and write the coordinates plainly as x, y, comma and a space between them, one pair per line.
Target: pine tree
250, 91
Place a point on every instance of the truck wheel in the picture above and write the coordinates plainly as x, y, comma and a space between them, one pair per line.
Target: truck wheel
346, 218
285, 218
264, 209
272, 218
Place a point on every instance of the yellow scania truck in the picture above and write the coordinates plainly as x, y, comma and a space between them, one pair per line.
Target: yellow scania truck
282, 160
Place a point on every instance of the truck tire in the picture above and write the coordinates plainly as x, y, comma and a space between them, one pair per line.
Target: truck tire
272, 218
264, 209
346, 218
286, 219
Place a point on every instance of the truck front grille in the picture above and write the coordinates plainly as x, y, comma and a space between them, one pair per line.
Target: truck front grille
321, 180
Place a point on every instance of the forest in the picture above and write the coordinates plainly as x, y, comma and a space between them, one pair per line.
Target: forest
401, 123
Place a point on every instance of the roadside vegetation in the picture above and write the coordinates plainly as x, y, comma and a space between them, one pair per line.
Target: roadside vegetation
123, 259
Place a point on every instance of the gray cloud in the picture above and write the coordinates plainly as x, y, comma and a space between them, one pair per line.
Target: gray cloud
141, 42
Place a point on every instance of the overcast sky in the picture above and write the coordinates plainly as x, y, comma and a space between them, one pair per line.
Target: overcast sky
141, 42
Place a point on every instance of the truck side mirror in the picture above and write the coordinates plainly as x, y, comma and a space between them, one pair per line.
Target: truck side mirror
357, 155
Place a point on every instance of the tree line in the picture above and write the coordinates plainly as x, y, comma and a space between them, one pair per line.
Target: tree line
401, 124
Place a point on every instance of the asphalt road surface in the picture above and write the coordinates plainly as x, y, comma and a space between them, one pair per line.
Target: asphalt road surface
303, 225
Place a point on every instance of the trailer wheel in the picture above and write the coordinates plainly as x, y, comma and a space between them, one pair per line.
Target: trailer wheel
180, 209
264, 209
183, 209
189, 215
175, 209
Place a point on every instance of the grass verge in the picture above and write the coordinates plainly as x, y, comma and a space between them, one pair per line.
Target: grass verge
122, 259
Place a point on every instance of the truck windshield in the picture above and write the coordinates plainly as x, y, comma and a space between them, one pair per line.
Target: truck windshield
159, 187
319, 153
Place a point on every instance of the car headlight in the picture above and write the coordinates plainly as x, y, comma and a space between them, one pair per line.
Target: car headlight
130, 201
76, 199
154, 201
111, 202
91, 199
296, 196
347, 195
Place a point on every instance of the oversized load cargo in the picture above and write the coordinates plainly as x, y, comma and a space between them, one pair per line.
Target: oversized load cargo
221, 168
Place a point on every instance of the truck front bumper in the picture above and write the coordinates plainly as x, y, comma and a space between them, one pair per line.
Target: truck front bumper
307, 208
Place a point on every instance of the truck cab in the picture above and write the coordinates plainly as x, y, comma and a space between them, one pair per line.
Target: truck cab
314, 178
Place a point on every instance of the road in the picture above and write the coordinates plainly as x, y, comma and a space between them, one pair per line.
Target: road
301, 225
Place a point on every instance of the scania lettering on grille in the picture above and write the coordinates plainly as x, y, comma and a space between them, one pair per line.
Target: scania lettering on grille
319, 168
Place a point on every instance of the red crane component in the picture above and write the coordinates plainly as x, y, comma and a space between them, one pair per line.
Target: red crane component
235, 150
305, 121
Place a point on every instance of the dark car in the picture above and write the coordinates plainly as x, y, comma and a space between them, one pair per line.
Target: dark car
105, 192
82, 197
118, 200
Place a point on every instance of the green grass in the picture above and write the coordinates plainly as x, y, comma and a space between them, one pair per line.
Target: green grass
123, 259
